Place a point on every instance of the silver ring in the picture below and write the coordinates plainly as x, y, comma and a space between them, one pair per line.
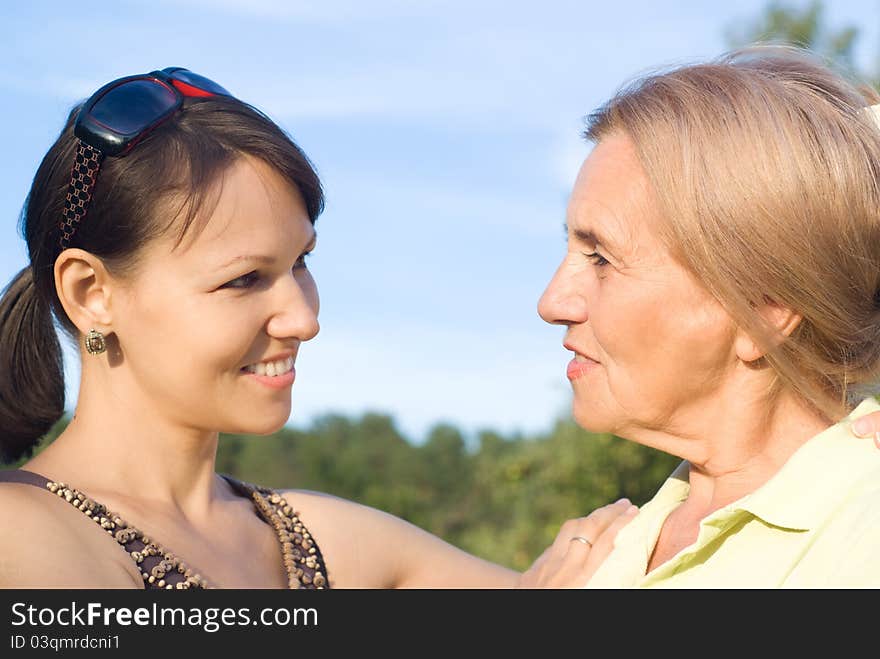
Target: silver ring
581, 538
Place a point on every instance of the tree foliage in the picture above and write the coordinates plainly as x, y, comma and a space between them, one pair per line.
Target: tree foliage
502, 498
806, 27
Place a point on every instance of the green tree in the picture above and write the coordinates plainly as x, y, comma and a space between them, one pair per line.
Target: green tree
805, 27
504, 499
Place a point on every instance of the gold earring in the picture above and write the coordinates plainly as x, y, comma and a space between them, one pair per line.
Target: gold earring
95, 342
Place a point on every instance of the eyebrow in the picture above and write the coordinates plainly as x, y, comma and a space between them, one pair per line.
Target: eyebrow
264, 258
588, 237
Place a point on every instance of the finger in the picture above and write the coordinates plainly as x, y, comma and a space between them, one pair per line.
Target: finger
596, 521
543, 572
867, 426
539, 565
579, 566
553, 561
563, 560
605, 542
593, 528
564, 566
593, 525
599, 527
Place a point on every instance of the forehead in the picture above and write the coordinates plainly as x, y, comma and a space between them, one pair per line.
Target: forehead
612, 197
250, 207
254, 202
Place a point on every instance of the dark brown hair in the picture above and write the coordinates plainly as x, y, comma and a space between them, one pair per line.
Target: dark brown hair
136, 199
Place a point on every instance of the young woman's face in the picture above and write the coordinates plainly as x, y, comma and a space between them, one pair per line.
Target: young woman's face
649, 342
195, 323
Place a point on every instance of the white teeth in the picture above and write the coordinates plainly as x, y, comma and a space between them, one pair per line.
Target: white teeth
271, 369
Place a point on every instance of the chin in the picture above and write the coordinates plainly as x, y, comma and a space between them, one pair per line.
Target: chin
268, 427
267, 424
592, 418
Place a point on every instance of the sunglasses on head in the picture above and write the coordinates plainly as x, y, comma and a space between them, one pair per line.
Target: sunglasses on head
114, 119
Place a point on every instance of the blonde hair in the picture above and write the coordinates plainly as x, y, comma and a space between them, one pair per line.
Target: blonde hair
766, 167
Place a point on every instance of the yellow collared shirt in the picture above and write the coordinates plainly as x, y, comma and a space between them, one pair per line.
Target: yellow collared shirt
815, 524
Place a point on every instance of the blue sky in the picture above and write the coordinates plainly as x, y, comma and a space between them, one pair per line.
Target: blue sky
447, 136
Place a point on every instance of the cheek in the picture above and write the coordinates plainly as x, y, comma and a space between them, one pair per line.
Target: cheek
622, 319
691, 345
184, 339
677, 334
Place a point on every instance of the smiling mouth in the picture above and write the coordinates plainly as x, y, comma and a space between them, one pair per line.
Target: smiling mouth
271, 369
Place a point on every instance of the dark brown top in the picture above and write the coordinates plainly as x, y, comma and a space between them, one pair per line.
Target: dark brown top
160, 568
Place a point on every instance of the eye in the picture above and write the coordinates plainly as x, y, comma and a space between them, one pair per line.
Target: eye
596, 258
245, 281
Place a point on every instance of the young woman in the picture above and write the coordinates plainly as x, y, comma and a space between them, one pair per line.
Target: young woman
168, 229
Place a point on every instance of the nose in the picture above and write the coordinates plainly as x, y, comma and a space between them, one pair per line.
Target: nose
295, 308
564, 300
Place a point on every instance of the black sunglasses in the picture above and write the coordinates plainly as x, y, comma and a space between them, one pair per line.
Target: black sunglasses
114, 119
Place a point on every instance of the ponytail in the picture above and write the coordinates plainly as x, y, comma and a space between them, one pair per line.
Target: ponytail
31, 368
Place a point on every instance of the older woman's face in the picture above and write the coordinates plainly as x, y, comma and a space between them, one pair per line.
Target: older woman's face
649, 343
195, 321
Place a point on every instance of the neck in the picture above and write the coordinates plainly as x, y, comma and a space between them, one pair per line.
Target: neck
735, 440
124, 444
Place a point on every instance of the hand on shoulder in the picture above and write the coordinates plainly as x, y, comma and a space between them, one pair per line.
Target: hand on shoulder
580, 547
868, 426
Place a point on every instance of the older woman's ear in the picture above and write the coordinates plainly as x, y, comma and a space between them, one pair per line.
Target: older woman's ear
868, 426
780, 320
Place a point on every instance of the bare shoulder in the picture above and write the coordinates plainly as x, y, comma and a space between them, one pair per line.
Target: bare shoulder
365, 547
360, 544
313, 504
56, 546
328, 515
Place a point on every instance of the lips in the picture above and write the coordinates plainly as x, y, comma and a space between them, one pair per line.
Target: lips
273, 381
579, 353
581, 365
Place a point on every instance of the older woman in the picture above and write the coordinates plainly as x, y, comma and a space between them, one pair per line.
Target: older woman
721, 296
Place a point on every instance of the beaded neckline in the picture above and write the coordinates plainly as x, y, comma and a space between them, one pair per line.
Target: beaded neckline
161, 568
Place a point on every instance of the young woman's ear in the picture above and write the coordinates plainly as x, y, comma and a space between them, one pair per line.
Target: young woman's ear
84, 288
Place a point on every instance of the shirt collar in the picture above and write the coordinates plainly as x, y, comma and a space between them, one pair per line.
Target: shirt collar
799, 496
809, 485
802, 493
